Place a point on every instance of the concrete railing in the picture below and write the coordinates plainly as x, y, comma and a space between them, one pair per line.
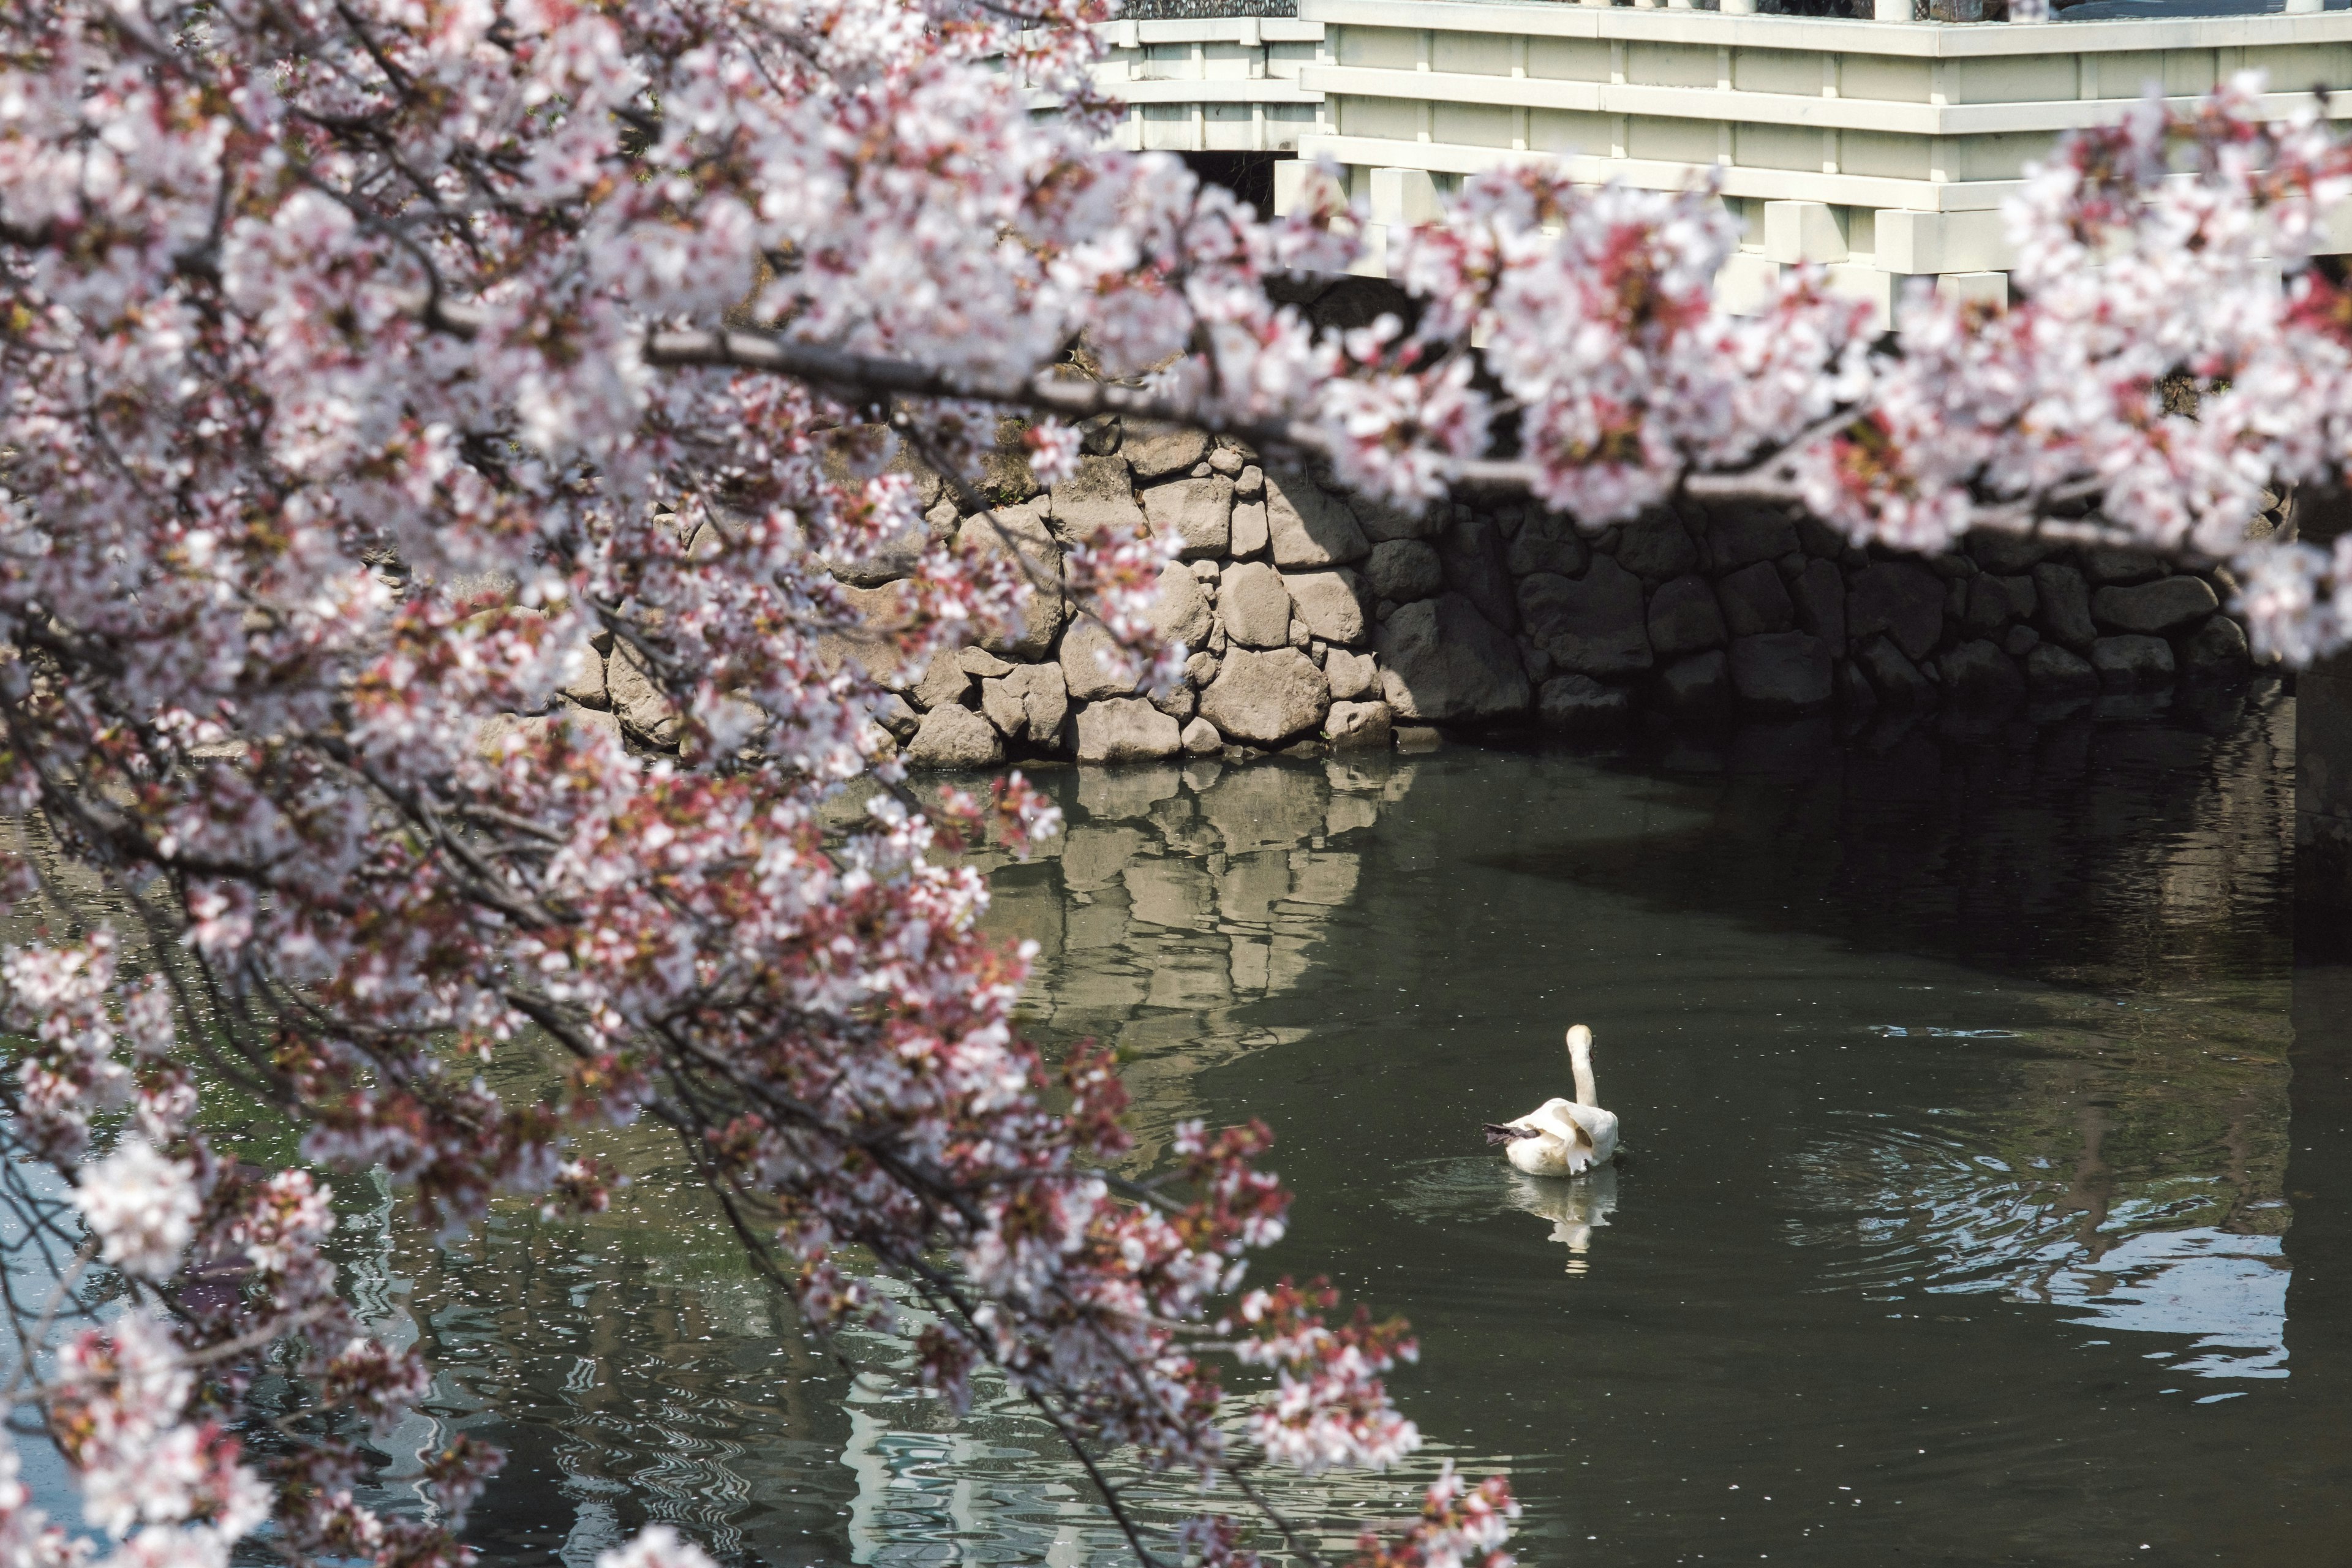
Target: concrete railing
1880, 149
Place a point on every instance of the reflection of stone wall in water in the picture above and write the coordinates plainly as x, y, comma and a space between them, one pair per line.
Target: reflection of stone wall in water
1176, 897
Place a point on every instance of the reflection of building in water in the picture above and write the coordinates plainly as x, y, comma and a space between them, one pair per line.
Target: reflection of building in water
1176, 897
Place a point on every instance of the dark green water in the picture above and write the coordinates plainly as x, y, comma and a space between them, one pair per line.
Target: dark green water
1958, 1225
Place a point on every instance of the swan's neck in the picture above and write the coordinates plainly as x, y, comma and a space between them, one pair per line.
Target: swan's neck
1581, 1059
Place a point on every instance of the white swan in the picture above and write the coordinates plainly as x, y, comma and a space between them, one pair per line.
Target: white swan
1561, 1137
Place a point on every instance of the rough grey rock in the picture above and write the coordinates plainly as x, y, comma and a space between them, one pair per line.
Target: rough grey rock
1352, 677
955, 737
1155, 451
1382, 523
1200, 669
1084, 650
1547, 542
1898, 681
872, 644
1594, 625
2063, 607
1249, 534
895, 714
1178, 701
2107, 567
1994, 601
586, 686
1738, 533
1683, 617
1330, 603
1309, 526
1266, 697
980, 663
2160, 608
640, 706
1042, 608
1200, 738
1027, 703
1250, 485
2052, 671
2216, 649
1405, 570
1853, 692
2020, 640
1181, 611
1358, 726
1904, 601
1097, 495
1782, 671
1226, 461
2008, 555
1819, 595
1441, 659
1580, 702
1254, 604
1978, 675
1126, 730
2132, 662
1656, 545
891, 559
1197, 513
1755, 600
1473, 551
1698, 680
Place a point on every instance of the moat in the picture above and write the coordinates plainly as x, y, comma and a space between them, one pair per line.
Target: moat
1959, 1222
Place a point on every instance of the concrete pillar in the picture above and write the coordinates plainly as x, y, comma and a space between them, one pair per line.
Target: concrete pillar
2323, 741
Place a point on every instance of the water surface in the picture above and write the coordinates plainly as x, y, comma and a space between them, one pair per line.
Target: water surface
1955, 1226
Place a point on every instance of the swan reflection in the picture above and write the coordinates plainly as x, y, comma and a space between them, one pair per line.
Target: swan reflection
1576, 1206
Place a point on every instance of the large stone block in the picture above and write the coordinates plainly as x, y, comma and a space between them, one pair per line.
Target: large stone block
1441, 659
2062, 603
1473, 551
1126, 730
1250, 535
1594, 625
1265, 698
1255, 603
2008, 555
1352, 677
1899, 682
1547, 542
1330, 603
1741, 533
1358, 726
2160, 608
1979, 675
955, 737
2108, 567
1309, 526
1028, 702
1755, 600
945, 681
1697, 680
2132, 662
644, 711
1405, 570
1196, 513
1656, 545
2052, 671
1381, 522
2216, 650
1782, 671
1094, 665
1683, 617
1156, 451
1022, 531
1996, 601
1819, 594
1180, 613
1098, 495
1900, 599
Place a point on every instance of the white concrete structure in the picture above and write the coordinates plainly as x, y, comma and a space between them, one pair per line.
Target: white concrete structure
1881, 149
1213, 84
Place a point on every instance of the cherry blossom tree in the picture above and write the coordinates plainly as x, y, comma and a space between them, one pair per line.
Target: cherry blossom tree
362, 363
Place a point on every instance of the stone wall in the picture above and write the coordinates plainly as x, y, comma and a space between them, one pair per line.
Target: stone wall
1323, 621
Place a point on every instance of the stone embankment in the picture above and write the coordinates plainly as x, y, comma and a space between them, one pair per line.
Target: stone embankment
1318, 620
